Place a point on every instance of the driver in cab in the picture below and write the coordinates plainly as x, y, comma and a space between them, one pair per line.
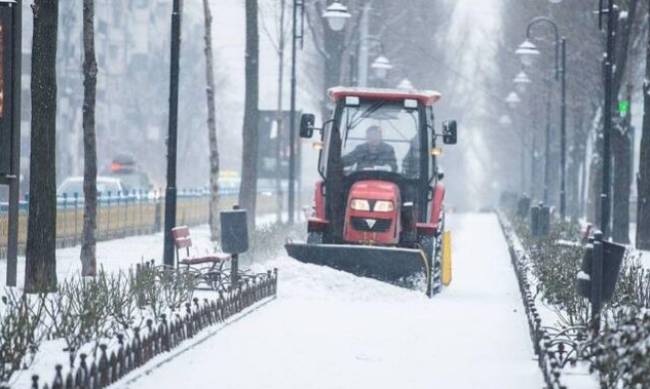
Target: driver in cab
374, 152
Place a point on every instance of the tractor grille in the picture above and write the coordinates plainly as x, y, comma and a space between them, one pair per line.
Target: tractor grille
361, 224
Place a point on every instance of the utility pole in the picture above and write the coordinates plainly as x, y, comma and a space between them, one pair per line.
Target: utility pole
363, 46
170, 192
10, 13
295, 36
547, 142
563, 129
607, 122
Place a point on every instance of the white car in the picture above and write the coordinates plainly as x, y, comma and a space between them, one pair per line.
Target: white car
72, 185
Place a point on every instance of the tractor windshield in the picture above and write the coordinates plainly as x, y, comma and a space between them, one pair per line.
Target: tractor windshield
379, 135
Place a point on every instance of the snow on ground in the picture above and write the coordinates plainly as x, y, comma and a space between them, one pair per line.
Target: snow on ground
121, 254
329, 329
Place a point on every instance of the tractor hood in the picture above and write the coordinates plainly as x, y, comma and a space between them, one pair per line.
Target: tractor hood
375, 190
373, 213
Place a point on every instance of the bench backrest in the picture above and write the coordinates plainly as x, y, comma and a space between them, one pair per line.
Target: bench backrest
182, 237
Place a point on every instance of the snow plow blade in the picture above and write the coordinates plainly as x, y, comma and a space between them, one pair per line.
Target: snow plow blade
382, 263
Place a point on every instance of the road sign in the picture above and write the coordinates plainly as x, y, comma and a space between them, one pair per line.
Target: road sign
273, 151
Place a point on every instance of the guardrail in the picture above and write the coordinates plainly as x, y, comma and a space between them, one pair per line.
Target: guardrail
126, 214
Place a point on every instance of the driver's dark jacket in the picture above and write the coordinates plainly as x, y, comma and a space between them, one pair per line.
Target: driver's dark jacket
366, 157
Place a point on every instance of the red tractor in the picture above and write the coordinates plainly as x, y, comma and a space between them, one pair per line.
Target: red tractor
378, 209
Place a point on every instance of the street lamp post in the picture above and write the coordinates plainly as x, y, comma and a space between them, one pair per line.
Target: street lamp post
513, 101
527, 52
170, 192
10, 70
607, 117
336, 15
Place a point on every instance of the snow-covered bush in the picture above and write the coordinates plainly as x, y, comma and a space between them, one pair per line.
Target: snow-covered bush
21, 330
87, 308
555, 264
160, 289
621, 353
633, 286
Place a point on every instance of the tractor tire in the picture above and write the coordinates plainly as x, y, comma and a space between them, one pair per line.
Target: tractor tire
314, 238
431, 247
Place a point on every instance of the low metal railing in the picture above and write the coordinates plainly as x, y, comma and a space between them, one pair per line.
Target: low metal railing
153, 340
551, 351
125, 214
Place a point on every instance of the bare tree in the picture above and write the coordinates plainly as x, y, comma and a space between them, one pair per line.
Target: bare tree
643, 212
212, 125
88, 241
40, 267
248, 188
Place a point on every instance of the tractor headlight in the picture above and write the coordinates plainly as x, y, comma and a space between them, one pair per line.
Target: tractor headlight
384, 206
360, 205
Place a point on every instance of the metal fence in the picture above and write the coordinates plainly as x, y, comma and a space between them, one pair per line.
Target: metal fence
108, 369
125, 214
551, 352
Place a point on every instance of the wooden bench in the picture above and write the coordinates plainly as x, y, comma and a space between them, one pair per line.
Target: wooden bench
213, 275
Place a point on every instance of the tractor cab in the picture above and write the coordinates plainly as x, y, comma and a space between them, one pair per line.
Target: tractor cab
380, 182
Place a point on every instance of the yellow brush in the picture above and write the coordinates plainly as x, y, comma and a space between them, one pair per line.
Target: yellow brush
446, 258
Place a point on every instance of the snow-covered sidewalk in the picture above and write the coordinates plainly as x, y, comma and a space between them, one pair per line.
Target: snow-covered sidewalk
329, 329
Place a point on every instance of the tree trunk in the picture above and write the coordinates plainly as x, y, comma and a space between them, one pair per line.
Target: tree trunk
88, 241
622, 150
212, 125
575, 162
643, 211
40, 267
248, 188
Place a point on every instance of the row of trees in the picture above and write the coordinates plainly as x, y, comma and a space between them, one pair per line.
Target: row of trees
40, 272
579, 24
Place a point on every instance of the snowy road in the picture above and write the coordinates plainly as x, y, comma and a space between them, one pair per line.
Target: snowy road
329, 329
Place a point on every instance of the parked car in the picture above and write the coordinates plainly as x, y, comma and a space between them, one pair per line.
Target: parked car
124, 168
72, 185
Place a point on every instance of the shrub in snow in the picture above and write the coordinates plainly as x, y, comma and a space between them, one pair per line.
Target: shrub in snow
88, 308
21, 331
555, 265
621, 353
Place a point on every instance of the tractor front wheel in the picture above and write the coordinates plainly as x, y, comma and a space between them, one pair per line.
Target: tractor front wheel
431, 249
314, 238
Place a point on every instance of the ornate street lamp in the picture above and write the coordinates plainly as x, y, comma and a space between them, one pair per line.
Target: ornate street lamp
527, 53
521, 82
336, 15
405, 84
513, 100
381, 65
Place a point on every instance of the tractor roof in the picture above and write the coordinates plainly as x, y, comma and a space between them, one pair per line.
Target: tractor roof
426, 97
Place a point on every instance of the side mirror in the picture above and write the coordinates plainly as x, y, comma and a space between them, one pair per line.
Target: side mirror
307, 121
449, 132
